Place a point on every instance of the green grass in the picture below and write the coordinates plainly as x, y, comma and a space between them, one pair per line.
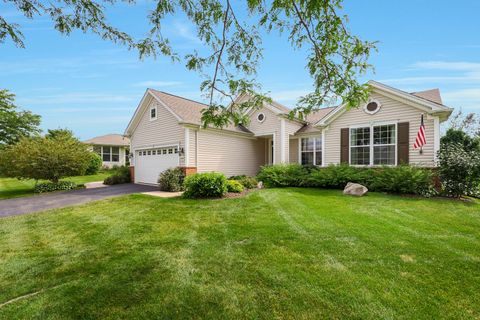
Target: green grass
13, 188
277, 253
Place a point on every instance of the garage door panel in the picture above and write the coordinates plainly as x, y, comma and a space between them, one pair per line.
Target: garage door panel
149, 163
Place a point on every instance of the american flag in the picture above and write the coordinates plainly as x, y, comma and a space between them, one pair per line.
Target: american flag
421, 139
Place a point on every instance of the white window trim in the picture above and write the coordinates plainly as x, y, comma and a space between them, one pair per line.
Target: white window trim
150, 113
371, 145
314, 137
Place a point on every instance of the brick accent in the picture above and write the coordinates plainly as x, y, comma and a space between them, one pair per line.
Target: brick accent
189, 170
132, 173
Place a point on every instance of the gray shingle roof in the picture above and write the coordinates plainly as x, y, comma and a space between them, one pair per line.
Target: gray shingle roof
109, 140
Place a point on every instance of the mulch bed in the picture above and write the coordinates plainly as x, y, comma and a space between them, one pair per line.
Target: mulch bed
238, 195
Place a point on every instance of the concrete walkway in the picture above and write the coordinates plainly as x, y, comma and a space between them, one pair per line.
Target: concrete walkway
62, 199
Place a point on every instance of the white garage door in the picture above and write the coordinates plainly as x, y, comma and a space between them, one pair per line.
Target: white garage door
150, 163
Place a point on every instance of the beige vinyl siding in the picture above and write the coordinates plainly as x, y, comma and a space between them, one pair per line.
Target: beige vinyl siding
270, 126
163, 131
290, 129
192, 148
229, 154
391, 110
293, 150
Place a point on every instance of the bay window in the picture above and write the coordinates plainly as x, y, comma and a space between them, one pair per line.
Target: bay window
311, 151
373, 145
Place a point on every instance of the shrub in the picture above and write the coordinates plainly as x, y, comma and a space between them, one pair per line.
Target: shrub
404, 179
171, 180
234, 186
459, 170
94, 164
283, 175
246, 181
205, 185
337, 176
51, 186
121, 175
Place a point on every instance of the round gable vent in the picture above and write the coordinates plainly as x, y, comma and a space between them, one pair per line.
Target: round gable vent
372, 107
261, 117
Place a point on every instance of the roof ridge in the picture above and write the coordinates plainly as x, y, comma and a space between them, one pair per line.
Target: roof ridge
177, 96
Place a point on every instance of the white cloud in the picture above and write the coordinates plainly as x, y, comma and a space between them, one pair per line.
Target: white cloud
447, 65
184, 30
150, 84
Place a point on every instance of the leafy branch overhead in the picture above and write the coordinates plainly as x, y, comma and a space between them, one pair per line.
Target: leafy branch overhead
231, 37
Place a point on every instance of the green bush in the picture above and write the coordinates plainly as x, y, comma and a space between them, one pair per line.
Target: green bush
337, 176
205, 185
51, 186
283, 175
94, 164
401, 179
459, 170
234, 186
171, 180
246, 181
404, 179
121, 175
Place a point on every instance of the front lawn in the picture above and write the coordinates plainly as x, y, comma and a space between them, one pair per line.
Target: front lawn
277, 253
13, 188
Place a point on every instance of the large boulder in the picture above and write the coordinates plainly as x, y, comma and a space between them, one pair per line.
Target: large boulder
355, 189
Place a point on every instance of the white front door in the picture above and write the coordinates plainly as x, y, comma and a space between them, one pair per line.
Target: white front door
149, 163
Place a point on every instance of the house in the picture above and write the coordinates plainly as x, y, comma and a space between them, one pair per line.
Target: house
165, 131
112, 148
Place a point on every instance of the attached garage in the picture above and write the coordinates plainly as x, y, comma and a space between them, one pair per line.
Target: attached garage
149, 163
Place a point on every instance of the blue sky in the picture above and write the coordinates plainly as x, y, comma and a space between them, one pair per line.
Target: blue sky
93, 86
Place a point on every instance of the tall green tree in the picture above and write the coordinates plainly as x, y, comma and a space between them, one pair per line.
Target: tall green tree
15, 123
230, 33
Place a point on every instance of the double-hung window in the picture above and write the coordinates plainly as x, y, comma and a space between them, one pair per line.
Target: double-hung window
373, 145
311, 151
106, 154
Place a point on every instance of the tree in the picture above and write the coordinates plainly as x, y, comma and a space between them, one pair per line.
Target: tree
468, 123
459, 137
15, 124
45, 158
231, 47
57, 133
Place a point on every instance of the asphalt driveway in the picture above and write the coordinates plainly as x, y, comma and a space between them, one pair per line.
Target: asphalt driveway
62, 199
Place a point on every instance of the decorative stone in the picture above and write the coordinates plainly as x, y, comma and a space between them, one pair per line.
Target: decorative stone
260, 185
355, 189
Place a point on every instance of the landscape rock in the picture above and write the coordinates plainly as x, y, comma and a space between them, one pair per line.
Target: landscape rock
260, 185
355, 189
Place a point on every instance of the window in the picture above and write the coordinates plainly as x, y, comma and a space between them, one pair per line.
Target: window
261, 117
153, 113
311, 151
97, 150
106, 153
170, 151
164, 151
384, 145
115, 154
360, 146
375, 145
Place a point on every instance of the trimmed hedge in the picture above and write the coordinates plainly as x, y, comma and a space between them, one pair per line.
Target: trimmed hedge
234, 186
51, 186
205, 185
246, 181
400, 179
171, 180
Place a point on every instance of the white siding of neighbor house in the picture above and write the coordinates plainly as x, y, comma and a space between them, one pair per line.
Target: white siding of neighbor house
391, 110
228, 153
192, 142
290, 129
165, 130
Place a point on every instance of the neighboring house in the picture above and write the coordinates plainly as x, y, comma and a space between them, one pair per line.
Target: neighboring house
112, 148
165, 131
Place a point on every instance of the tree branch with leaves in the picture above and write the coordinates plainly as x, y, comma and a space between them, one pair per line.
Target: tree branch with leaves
231, 48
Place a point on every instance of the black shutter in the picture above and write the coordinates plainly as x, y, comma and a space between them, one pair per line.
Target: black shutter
344, 145
403, 142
